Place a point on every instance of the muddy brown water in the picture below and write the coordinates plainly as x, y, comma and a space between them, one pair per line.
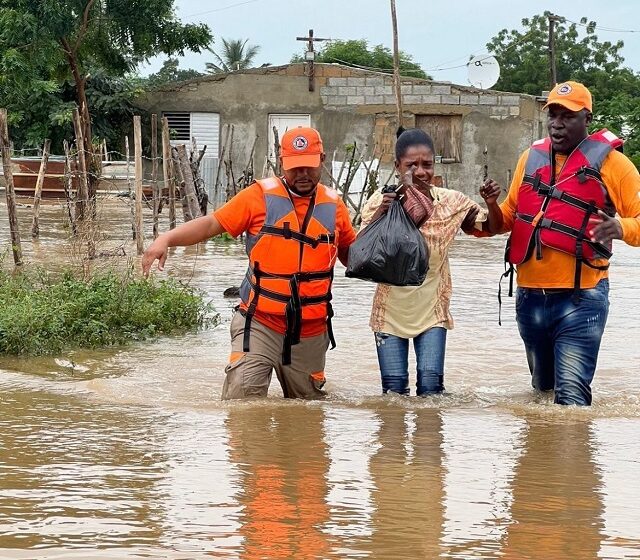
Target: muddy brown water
129, 453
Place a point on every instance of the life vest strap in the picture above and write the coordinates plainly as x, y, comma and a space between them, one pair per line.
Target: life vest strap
547, 223
293, 308
251, 308
585, 172
284, 298
332, 339
559, 194
543, 188
536, 183
301, 276
508, 273
288, 233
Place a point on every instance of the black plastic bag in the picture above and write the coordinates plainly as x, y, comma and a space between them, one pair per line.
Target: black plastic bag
390, 250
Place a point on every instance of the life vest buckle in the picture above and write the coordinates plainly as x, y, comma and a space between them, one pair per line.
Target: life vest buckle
555, 193
286, 230
582, 175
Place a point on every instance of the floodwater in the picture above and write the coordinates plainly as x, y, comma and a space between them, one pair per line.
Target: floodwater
130, 453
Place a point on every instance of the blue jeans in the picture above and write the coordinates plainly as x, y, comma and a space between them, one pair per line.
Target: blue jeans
393, 357
562, 338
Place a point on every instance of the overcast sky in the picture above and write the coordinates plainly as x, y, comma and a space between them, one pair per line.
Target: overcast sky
438, 34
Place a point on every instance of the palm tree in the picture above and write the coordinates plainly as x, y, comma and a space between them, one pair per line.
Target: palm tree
236, 55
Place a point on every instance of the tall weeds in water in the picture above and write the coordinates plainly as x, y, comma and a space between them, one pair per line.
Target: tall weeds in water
46, 313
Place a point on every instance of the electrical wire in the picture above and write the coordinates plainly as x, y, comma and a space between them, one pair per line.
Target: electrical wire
221, 9
597, 27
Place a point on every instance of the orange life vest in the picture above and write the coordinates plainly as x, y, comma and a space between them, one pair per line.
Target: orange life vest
290, 263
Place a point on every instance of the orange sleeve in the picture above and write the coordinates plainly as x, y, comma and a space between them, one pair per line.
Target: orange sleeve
244, 212
344, 230
510, 203
622, 180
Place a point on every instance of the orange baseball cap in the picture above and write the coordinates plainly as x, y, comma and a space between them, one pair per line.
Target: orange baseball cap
572, 95
301, 147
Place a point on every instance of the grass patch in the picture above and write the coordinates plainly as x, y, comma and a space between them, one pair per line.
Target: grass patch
45, 313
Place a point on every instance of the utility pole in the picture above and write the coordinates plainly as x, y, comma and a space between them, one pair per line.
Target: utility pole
310, 56
552, 50
396, 63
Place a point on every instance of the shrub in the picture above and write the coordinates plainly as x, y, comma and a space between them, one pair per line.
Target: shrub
45, 313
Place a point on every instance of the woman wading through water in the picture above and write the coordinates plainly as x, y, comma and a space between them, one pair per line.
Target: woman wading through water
421, 313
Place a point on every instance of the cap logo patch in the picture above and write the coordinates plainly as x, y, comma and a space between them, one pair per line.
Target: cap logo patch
300, 143
564, 89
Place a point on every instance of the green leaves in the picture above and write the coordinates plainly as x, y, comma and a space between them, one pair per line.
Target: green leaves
41, 41
358, 53
524, 62
236, 55
170, 73
41, 313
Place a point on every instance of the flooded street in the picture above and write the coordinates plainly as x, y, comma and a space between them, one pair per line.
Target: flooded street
131, 454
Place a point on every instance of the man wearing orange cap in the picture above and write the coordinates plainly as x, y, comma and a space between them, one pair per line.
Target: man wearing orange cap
561, 212
296, 227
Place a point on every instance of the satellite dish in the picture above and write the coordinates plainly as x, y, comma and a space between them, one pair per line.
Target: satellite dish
483, 71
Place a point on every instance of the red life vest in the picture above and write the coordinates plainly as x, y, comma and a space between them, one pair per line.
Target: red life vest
557, 211
291, 264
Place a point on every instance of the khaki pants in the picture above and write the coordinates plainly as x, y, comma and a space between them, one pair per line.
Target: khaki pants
248, 374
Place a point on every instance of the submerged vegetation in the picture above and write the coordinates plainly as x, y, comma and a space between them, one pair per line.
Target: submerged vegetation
45, 313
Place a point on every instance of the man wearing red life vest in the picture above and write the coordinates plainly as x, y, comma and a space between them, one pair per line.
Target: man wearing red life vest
561, 211
296, 228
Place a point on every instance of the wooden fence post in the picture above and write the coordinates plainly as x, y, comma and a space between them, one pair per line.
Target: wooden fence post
83, 187
5, 148
137, 149
223, 152
167, 176
154, 173
35, 227
129, 190
68, 186
189, 184
177, 169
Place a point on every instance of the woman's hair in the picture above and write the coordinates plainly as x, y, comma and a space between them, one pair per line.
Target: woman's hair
411, 137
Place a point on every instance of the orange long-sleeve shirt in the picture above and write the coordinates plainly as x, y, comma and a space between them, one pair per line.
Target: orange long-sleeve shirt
556, 269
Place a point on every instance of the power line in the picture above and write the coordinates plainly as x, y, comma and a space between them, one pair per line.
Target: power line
597, 27
221, 9
515, 44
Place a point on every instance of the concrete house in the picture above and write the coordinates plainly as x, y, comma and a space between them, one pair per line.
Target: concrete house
351, 105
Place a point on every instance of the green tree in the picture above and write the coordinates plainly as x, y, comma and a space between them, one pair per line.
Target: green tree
47, 43
358, 53
524, 68
170, 73
236, 55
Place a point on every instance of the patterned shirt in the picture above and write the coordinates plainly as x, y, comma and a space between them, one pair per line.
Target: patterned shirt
407, 311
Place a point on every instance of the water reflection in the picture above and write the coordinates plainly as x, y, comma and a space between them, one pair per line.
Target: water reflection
616, 452
408, 475
481, 451
282, 461
557, 509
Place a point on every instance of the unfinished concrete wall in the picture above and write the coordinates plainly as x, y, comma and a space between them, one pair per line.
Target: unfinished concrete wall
506, 123
247, 99
350, 105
